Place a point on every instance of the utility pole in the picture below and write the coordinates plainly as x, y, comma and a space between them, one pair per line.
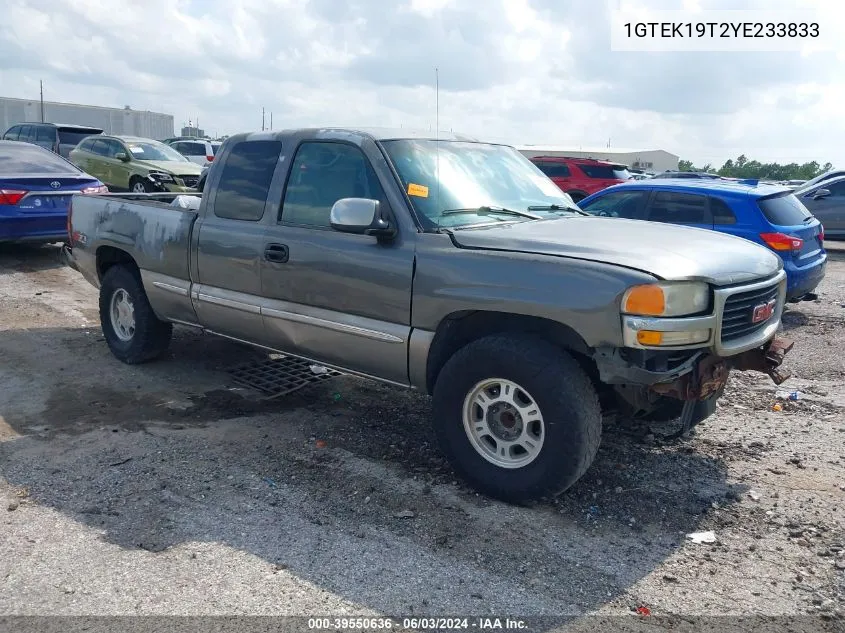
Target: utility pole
271, 121
262, 119
41, 82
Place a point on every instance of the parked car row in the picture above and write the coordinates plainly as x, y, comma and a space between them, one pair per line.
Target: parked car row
43, 164
128, 163
73, 142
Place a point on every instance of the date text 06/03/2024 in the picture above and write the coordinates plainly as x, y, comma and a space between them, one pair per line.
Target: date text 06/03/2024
476, 623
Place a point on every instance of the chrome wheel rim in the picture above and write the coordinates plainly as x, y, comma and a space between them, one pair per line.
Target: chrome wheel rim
122, 313
138, 187
504, 423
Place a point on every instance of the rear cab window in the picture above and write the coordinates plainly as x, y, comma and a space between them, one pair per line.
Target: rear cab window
244, 183
784, 209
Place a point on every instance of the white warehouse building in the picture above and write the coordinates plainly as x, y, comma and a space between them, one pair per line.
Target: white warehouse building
652, 160
120, 121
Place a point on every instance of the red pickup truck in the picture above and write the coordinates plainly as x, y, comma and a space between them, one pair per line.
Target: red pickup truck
581, 177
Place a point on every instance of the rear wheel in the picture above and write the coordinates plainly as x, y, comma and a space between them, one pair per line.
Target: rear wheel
577, 196
516, 417
132, 331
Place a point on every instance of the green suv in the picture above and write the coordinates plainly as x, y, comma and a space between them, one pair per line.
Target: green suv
140, 165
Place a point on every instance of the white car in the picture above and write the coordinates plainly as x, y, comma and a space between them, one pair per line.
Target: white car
199, 151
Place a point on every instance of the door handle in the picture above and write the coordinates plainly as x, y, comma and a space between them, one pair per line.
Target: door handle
276, 253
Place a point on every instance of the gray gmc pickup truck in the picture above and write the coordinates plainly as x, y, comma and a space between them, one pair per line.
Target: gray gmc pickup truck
449, 266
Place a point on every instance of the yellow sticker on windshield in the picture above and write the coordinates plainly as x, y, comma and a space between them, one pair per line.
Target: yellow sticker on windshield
421, 191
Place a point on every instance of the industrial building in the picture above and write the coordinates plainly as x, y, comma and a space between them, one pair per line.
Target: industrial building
651, 160
193, 130
123, 121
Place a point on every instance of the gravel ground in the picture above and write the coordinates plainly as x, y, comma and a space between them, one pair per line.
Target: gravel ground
162, 489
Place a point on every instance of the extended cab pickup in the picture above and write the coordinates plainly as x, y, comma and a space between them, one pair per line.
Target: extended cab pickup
449, 266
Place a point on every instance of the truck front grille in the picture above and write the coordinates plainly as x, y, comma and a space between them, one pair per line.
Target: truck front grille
737, 317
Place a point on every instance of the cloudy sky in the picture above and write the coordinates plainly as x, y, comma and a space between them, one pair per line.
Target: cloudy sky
518, 71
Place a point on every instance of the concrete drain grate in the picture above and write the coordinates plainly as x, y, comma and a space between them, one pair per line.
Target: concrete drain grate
278, 376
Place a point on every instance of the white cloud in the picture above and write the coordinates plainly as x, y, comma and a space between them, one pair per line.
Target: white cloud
519, 71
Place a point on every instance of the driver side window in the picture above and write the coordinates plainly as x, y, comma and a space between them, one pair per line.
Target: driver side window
619, 204
321, 174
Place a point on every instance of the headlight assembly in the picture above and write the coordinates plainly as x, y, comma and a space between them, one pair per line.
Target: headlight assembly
667, 299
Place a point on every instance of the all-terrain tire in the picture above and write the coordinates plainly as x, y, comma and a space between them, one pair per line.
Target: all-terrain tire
559, 387
150, 337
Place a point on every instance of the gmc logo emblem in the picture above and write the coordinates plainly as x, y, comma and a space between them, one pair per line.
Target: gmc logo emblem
763, 311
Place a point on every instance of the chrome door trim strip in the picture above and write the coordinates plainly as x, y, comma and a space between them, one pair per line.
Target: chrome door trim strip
331, 325
228, 303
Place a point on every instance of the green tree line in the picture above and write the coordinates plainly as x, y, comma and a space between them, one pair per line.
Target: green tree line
744, 168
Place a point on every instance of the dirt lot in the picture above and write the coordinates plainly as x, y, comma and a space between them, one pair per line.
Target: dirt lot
160, 489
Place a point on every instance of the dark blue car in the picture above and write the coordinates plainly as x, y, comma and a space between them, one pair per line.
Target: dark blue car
767, 214
35, 190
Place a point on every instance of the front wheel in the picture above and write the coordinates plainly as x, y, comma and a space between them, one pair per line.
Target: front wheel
517, 417
139, 185
132, 331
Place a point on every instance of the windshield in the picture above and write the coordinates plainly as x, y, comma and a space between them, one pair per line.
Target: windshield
25, 159
153, 150
473, 176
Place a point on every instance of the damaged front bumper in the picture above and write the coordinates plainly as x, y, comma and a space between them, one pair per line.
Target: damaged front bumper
710, 374
696, 381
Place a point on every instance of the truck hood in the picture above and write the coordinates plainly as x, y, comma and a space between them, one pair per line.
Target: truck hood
667, 251
173, 167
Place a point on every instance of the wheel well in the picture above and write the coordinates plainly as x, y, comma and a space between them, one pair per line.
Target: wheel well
108, 256
460, 329
577, 192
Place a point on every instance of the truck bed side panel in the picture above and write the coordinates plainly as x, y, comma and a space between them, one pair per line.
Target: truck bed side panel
155, 235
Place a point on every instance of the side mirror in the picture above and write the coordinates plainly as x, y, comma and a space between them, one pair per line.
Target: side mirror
821, 193
122, 156
361, 216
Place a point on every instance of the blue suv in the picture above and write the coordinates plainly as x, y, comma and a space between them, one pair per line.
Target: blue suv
767, 214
